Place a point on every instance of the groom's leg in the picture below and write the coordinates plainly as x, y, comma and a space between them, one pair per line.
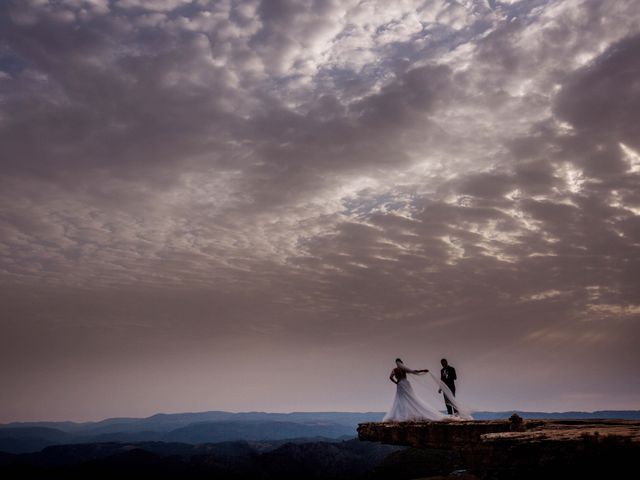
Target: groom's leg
453, 391
446, 401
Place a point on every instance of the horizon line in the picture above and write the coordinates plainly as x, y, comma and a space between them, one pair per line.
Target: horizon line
301, 412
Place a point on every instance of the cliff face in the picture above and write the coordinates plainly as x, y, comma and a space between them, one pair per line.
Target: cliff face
523, 449
439, 435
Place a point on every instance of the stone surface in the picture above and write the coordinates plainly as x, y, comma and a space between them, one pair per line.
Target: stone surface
522, 449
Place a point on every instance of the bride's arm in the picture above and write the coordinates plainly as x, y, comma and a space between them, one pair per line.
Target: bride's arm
417, 371
393, 372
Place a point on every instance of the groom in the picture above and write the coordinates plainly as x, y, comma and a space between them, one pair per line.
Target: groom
448, 376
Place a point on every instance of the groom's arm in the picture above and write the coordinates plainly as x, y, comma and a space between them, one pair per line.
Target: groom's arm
453, 374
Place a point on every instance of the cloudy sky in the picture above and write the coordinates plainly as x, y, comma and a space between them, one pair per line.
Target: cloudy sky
259, 205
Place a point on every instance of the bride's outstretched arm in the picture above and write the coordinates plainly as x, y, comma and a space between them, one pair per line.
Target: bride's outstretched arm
411, 370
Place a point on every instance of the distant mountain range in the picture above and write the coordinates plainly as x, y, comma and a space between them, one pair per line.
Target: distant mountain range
193, 428
613, 414
218, 426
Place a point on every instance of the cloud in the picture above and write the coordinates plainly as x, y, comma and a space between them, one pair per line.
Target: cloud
352, 178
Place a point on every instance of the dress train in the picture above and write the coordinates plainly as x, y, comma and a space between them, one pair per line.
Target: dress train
408, 406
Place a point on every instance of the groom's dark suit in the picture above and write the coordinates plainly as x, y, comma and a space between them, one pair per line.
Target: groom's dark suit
448, 376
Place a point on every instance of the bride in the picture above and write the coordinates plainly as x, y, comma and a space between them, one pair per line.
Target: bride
407, 405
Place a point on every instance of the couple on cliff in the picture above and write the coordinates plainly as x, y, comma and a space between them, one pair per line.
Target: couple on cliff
407, 406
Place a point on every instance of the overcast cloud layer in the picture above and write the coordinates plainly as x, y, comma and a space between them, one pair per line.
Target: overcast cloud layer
258, 205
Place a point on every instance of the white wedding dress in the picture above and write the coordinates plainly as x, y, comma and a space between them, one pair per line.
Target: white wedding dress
408, 406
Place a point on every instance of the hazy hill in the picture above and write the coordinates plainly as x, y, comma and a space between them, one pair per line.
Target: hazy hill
252, 430
32, 439
604, 414
169, 421
165, 422
217, 426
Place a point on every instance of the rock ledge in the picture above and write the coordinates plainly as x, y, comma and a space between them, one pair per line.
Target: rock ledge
516, 448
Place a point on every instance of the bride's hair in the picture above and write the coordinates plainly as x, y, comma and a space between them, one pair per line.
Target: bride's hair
399, 360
